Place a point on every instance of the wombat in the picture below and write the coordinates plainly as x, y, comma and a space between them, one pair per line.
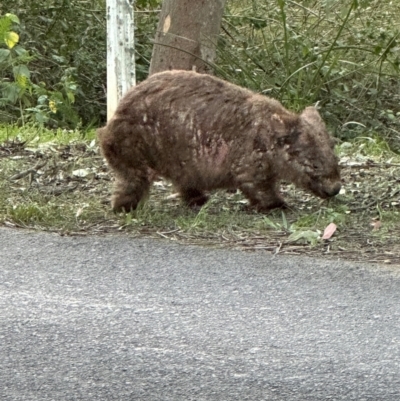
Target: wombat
203, 133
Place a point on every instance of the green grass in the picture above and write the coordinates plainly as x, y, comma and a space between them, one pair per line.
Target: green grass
35, 134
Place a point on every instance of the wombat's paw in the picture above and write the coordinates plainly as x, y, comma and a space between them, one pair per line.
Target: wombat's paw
197, 203
123, 203
264, 208
194, 198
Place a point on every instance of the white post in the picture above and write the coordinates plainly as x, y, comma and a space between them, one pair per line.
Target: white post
120, 51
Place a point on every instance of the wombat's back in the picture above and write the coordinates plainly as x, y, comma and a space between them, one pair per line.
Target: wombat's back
178, 90
194, 102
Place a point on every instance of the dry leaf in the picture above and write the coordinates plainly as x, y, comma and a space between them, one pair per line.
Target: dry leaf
82, 172
329, 231
376, 225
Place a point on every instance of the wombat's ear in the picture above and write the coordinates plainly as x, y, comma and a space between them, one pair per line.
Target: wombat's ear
311, 115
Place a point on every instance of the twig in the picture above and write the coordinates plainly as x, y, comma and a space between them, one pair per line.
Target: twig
278, 249
24, 173
165, 233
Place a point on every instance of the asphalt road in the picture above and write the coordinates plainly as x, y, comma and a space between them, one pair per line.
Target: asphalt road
117, 318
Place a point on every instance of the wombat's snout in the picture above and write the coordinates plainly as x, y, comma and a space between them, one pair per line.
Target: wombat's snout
334, 190
325, 191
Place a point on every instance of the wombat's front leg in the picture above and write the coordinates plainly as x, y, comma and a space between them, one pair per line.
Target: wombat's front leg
129, 189
263, 196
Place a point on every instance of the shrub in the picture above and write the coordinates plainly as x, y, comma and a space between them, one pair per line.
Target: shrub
66, 39
342, 54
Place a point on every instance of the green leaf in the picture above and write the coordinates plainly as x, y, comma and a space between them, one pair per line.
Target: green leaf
308, 236
59, 59
19, 50
4, 54
21, 70
271, 223
42, 99
5, 25
284, 222
71, 97
13, 18
40, 118
11, 93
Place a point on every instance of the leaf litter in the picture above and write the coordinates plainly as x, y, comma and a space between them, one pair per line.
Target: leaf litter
72, 181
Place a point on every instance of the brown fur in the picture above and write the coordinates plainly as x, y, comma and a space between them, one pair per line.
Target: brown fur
203, 133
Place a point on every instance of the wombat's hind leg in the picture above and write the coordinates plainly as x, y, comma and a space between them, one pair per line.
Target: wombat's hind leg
193, 197
128, 191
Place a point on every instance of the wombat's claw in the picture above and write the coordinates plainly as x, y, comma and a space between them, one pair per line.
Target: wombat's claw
268, 208
197, 203
121, 210
121, 205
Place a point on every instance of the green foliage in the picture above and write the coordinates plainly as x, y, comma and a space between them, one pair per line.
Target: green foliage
66, 56
20, 95
342, 54
66, 40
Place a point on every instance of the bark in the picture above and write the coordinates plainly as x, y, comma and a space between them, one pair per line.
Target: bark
186, 35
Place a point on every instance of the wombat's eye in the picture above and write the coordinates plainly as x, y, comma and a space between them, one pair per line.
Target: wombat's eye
315, 167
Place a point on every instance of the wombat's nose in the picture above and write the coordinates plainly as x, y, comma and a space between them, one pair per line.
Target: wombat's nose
335, 189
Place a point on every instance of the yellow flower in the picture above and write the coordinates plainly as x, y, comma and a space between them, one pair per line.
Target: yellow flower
52, 106
11, 39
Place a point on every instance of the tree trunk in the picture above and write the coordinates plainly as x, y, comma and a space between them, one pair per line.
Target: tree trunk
186, 35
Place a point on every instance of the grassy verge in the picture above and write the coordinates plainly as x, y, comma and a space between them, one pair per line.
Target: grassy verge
59, 182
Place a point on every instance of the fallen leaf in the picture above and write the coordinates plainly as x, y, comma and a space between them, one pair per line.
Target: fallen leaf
376, 225
173, 196
329, 231
82, 172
